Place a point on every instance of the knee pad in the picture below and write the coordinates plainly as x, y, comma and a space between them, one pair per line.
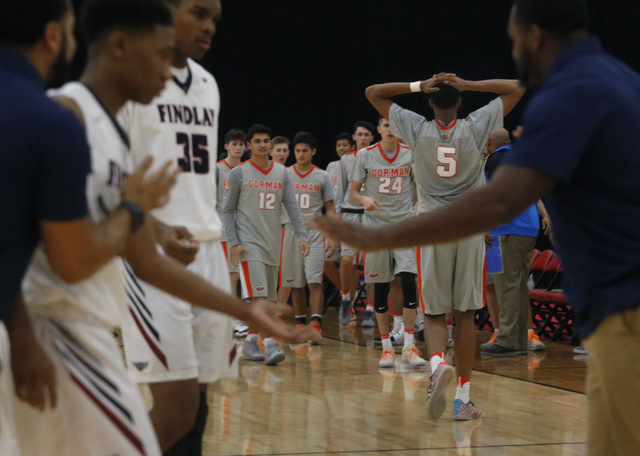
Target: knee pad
410, 300
381, 296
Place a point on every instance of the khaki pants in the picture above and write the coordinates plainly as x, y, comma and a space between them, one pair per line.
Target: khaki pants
613, 386
512, 291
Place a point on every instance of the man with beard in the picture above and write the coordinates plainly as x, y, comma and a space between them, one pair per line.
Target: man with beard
43, 179
579, 149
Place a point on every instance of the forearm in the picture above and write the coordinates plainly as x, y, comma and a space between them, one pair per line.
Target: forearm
388, 90
354, 196
497, 86
19, 326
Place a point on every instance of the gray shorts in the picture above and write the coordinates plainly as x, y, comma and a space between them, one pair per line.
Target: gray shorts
259, 280
296, 271
450, 276
383, 265
345, 250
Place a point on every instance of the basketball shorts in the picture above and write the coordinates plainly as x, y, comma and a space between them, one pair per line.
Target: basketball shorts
8, 437
168, 339
259, 280
383, 265
451, 276
225, 247
346, 250
335, 256
100, 410
296, 271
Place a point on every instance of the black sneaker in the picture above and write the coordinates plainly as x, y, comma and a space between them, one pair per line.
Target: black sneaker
494, 349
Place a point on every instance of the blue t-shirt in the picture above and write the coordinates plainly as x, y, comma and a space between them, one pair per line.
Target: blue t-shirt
583, 127
525, 224
44, 162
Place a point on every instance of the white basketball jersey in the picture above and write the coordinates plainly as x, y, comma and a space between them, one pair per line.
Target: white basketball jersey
181, 125
101, 298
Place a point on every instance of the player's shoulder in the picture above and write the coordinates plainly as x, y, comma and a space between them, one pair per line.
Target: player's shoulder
371, 147
198, 71
403, 146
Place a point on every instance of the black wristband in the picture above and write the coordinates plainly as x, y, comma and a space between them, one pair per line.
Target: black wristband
137, 214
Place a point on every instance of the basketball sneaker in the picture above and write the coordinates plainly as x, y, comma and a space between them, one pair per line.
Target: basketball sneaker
240, 329
397, 335
411, 356
387, 359
251, 350
490, 341
534, 342
317, 327
272, 354
437, 400
369, 320
465, 411
345, 317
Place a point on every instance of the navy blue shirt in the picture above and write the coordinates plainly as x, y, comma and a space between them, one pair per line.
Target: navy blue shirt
583, 127
525, 224
44, 162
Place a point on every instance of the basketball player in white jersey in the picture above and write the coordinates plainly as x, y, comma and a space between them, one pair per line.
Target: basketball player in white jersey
186, 348
314, 192
253, 206
100, 411
447, 163
384, 169
234, 144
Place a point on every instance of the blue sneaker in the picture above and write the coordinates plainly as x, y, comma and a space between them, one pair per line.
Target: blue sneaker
465, 411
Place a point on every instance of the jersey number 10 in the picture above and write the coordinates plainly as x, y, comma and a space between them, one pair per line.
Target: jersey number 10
196, 153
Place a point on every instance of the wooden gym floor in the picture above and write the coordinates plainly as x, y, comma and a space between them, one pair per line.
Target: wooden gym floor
332, 399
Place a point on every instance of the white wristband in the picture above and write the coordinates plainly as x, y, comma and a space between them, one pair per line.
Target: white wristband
415, 86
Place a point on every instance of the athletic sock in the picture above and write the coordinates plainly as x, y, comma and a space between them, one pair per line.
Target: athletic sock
408, 337
436, 359
346, 296
450, 328
386, 342
369, 307
397, 322
316, 317
301, 319
462, 389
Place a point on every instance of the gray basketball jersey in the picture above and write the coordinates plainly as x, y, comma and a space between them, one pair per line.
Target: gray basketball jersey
313, 188
333, 169
344, 183
387, 178
252, 210
447, 159
223, 170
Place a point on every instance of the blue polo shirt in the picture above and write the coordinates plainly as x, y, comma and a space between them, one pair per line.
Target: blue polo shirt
44, 162
525, 224
583, 127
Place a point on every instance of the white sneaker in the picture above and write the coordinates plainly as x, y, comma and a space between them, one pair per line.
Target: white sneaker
397, 335
411, 356
240, 329
273, 354
251, 350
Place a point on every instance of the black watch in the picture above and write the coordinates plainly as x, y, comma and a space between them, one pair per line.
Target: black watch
137, 214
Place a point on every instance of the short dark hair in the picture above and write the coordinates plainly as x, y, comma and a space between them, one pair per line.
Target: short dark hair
235, 134
22, 22
557, 17
364, 124
279, 140
304, 137
347, 136
258, 129
101, 17
445, 98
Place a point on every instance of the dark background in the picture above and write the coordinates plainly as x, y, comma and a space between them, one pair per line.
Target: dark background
304, 64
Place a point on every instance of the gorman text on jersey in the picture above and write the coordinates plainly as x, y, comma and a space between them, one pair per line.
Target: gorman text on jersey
268, 185
393, 172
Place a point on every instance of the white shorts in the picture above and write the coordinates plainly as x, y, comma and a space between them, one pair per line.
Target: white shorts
258, 280
169, 339
8, 437
451, 276
296, 271
383, 265
100, 409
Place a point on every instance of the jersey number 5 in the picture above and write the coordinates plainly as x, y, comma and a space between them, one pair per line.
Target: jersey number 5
196, 153
267, 201
447, 164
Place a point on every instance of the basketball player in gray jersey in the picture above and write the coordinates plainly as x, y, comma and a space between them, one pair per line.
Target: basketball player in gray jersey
384, 169
447, 163
252, 210
314, 191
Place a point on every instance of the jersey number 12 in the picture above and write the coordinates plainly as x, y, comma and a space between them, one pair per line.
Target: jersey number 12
196, 153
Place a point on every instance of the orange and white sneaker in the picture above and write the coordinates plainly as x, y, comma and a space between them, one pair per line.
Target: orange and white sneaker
316, 326
387, 359
437, 401
493, 337
534, 342
465, 411
411, 356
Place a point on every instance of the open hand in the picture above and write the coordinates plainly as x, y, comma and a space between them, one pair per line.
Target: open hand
264, 315
150, 191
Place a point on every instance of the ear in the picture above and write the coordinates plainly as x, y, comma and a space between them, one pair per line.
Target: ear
459, 102
117, 44
53, 37
313, 152
226, 146
534, 38
430, 103
378, 128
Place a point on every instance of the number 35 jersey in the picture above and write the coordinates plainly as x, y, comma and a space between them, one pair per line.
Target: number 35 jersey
181, 125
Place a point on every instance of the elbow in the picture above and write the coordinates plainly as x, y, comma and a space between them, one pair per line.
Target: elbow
369, 92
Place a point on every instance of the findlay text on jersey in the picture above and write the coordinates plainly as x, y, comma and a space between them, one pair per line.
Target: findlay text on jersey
187, 115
